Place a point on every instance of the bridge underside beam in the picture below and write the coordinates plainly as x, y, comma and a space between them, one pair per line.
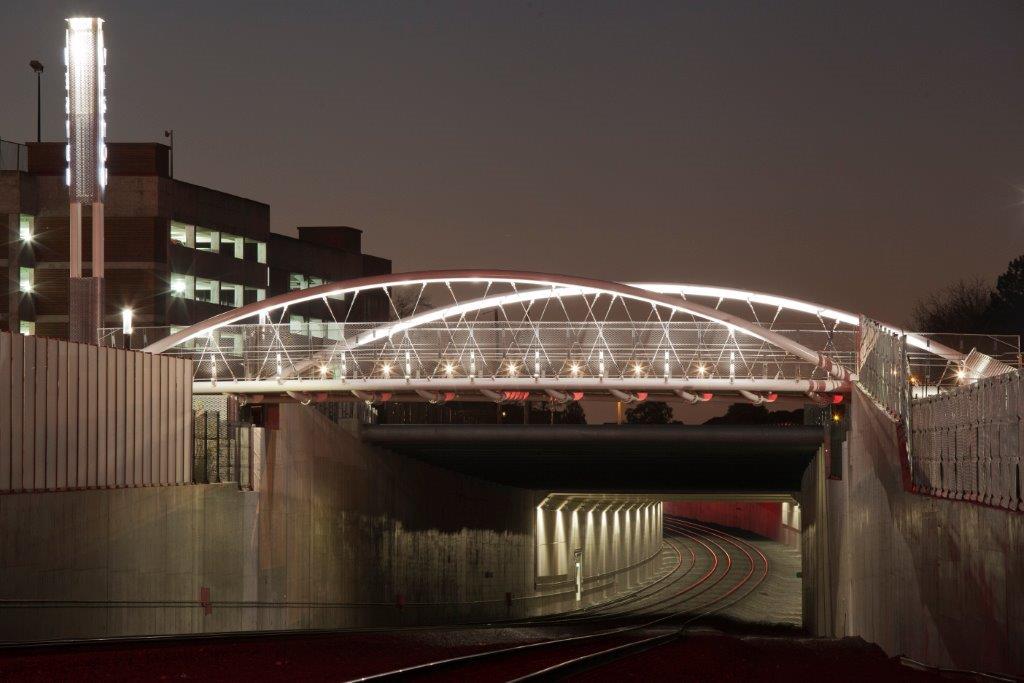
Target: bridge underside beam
662, 459
591, 385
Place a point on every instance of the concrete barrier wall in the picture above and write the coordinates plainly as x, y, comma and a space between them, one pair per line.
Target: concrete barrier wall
611, 536
941, 581
763, 518
338, 535
77, 416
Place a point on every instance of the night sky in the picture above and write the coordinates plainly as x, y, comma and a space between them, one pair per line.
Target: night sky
859, 154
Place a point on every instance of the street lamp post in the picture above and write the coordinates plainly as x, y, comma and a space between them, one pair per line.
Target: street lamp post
170, 134
37, 66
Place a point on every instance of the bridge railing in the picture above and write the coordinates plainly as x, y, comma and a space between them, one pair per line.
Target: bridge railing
883, 368
486, 349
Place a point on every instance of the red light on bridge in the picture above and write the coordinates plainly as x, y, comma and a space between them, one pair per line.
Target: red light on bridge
706, 396
577, 395
641, 396
385, 396
449, 396
515, 395
837, 399
771, 397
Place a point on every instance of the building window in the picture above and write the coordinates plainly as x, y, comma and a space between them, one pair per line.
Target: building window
296, 324
229, 342
317, 328
232, 245
255, 251
26, 279
182, 286
231, 295
26, 228
27, 327
207, 290
207, 240
183, 235
297, 281
254, 294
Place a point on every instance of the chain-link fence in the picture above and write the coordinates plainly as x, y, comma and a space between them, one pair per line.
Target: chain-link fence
225, 447
967, 442
883, 371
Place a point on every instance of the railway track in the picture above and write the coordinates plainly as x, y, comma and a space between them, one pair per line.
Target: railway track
713, 570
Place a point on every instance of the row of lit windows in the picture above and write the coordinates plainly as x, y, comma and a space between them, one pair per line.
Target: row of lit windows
223, 243
314, 327
214, 291
300, 281
26, 276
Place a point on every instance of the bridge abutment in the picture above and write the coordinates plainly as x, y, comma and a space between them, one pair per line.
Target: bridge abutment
339, 534
939, 581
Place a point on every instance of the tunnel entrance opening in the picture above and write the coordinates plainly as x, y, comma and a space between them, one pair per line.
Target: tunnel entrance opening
768, 544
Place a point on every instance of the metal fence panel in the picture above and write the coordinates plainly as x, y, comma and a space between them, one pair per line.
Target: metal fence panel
967, 442
70, 416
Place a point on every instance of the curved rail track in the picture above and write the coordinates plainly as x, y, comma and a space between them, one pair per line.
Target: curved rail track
713, 570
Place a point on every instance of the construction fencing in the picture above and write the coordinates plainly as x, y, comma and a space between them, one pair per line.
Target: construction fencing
78, 416
227, 447
883, 369
966, 443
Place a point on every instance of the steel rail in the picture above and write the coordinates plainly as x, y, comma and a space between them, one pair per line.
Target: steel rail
429, 667
590, 660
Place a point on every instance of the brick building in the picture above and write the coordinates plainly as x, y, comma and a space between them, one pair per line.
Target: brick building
176, 253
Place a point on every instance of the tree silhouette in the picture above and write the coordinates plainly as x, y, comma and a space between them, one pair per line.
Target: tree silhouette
650, 413
1008, 299
964, 306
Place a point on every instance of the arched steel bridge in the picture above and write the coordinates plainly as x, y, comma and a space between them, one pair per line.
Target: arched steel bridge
507, 336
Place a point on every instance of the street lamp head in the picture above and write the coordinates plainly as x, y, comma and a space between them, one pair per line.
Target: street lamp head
36, 65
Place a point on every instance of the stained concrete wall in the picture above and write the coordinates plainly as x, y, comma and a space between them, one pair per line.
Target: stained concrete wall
339, 535
774, 520
937, 580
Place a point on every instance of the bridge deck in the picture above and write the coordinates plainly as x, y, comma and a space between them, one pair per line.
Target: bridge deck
614, 458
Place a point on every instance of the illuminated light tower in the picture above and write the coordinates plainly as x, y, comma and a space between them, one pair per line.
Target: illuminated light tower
86, 154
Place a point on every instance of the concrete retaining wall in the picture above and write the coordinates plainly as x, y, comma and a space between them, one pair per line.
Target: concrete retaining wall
777, 521
937, 580
339, 535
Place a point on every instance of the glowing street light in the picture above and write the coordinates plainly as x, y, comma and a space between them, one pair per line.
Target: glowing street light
126, 321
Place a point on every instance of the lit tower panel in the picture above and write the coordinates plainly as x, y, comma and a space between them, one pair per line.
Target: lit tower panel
86, 155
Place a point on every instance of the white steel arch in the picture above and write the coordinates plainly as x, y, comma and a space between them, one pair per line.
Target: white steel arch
787, 303
548, 285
